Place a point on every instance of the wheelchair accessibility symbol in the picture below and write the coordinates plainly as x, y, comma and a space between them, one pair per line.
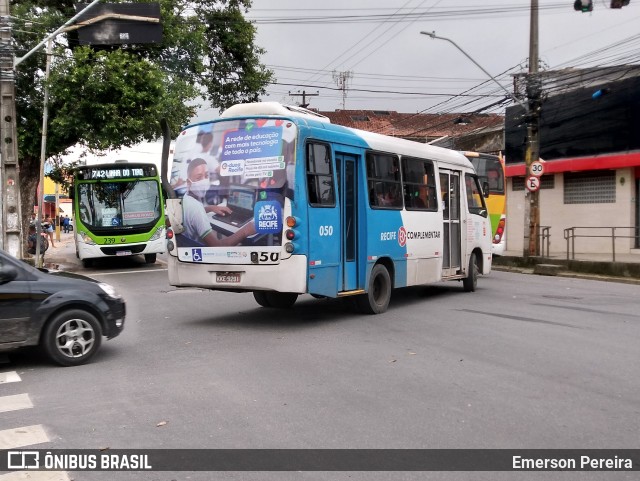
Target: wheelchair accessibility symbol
197, 254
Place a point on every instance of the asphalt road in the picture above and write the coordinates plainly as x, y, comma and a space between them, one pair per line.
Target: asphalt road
524, 362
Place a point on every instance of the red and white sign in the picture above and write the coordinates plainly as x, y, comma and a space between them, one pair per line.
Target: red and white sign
532, 183
536, 169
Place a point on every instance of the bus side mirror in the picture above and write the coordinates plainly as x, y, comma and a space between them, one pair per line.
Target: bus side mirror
485, 189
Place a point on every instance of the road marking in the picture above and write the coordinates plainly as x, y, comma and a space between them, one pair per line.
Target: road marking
24, 436
11, 376
35, 476
15, 403
94, 274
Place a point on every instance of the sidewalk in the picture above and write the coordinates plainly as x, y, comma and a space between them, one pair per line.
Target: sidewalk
63, 255
598, 266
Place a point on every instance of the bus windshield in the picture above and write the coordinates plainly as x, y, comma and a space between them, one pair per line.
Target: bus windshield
119, 203
489, 170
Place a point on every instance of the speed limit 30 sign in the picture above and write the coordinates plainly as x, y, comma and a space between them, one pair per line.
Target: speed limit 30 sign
536, 169
532, 183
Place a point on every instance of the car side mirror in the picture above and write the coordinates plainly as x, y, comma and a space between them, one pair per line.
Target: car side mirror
8, 274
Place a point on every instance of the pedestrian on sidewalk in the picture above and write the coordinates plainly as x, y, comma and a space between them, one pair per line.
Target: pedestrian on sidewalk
48, 225
65, 224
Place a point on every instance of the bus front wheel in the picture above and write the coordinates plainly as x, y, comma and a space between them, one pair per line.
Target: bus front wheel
376, 300
150, 258
470, 282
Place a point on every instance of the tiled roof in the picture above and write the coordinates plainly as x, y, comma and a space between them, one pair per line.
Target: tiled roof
415, 126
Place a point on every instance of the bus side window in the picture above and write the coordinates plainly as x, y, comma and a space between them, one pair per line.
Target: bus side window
383, 180
419, 184
475, 199
319, 175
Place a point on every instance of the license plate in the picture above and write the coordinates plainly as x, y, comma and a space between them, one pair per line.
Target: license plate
123, 253
227, 277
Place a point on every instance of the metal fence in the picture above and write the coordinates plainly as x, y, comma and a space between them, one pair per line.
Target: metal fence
545, 240
572, 233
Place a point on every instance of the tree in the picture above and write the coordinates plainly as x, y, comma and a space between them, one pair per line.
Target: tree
114, 97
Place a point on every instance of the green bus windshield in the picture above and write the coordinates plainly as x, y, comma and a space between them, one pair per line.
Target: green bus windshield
119, 204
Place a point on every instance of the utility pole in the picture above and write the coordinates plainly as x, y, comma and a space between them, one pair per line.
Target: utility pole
10, 215
304, 96
532, 196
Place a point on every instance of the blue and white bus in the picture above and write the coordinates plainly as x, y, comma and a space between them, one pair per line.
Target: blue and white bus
276, 200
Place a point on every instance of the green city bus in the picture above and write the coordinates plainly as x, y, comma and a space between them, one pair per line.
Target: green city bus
118, 211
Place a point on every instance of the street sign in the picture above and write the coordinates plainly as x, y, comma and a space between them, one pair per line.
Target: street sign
536, 168
533, 183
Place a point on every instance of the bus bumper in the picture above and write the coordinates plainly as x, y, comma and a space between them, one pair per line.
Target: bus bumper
95, 251
289, 275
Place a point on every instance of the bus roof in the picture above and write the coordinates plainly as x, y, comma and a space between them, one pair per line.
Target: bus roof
272, 108
374, 141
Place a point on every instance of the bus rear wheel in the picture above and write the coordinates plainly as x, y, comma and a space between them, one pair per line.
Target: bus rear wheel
471, 281
261, 298
150, 258
376, 300
279, 300
282, 300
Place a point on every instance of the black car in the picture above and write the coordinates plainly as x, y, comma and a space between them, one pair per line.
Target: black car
66, 314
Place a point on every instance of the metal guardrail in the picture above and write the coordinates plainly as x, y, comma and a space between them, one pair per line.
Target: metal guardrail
570, 235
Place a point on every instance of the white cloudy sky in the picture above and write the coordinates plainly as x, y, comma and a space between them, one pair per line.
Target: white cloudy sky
379, 42
307, 40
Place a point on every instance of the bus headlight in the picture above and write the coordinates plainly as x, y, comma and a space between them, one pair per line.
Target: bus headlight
84, 237
157, 234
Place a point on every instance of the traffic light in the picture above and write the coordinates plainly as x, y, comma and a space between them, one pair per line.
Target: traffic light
587, 5
619, 3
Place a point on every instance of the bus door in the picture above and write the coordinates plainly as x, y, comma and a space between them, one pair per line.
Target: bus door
451, 251
325, 220
347, 199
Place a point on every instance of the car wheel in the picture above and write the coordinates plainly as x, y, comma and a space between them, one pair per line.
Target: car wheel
150, 258
376, 300
471, 281
72, 337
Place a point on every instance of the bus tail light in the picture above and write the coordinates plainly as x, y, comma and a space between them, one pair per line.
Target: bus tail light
169, 233
499, 231
290, 234
291, 221
289, 247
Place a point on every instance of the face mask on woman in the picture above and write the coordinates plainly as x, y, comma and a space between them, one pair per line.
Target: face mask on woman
199, 188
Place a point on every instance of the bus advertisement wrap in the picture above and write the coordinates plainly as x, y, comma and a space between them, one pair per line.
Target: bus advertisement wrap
235, 179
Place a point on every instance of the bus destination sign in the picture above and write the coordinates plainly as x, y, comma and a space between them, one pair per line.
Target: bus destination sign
109, 173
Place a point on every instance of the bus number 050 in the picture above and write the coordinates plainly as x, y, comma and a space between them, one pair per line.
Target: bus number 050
269, 256
326, 230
